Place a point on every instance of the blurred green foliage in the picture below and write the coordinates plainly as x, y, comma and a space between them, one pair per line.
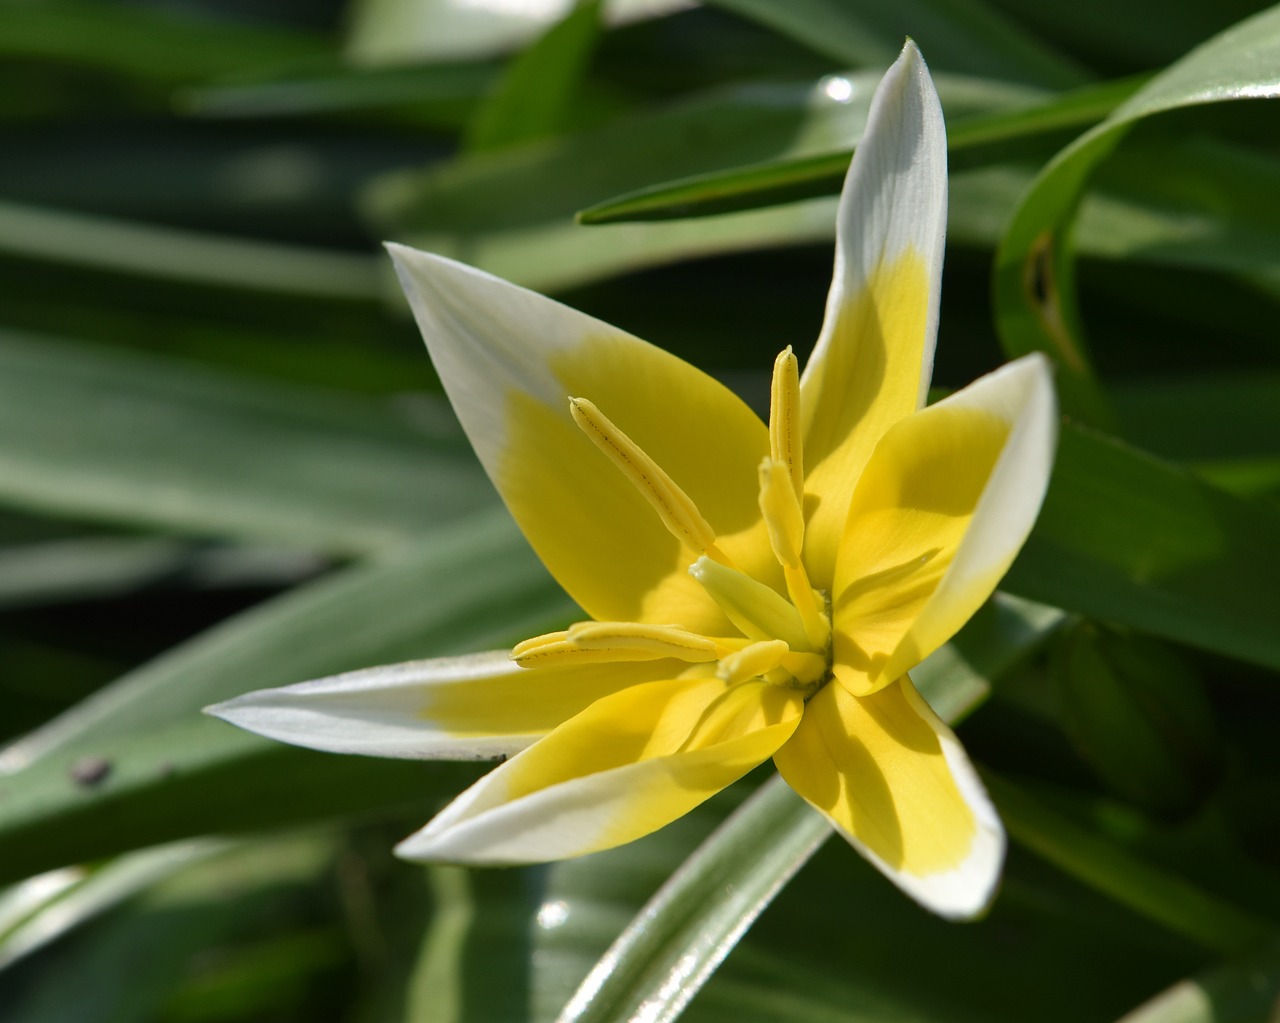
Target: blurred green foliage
225, 464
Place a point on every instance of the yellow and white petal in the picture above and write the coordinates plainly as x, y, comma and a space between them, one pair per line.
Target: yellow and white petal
896, 783
511, 359
874, 357
941, 511
475, 707
623, 768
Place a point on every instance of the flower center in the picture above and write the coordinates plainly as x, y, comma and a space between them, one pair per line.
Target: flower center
785, 640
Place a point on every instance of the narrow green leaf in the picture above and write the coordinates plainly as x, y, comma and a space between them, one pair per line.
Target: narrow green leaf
1130, 539
138, 764
339, 89
191, 778
126, 437
98, 567
474, 585
139, 960
1146, 889
170, 254
46, 907
511, 211
972, 141
954, 35
1243, 990
172, 44
534, 96
410, 31
1036, 307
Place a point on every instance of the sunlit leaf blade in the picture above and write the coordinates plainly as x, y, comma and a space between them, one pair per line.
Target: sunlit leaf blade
534, 96
670, 950
1163, 896
339, 89
972, 141
97, 568
1034, 280
1133, 540
191, 778
390, 31
512, 212
102, 433
168, 948
1242, 990
166, 253
667, 953
168, 45
969, 38
472, 586
44, 908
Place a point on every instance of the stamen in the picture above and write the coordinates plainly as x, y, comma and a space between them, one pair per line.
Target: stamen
785, 523
676, 509
785, 442
753, 661
752, 606
657, 640
781, 511
608, 642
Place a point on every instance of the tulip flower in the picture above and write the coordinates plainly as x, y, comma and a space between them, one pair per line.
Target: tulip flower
755, 590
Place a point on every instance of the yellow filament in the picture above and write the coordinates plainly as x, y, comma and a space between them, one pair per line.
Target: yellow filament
809, 603
753, 661
753, 607
676, 509
785, 441
781, 511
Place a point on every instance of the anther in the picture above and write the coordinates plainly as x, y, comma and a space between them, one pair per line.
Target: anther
606, 642
676, 509
785, 442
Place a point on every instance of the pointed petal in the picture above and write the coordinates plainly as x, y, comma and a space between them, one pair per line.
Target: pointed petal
624, 767
511, 359
479, 706
896, 783
941, 511
874, 357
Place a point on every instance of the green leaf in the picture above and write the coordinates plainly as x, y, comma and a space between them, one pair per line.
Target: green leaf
137, 963
138, 764
171, 254
535, 94
46, 907
972, 141
100, 432
511, 212
404, 31
1127, 538
954, 35
1034, 280
339, 89
469, 586
101, 567
168, 45
1164, 897
1243, 990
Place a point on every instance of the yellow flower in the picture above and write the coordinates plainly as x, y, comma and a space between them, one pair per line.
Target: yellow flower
755, 590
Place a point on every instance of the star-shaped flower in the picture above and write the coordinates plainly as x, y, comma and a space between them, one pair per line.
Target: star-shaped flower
755, 590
